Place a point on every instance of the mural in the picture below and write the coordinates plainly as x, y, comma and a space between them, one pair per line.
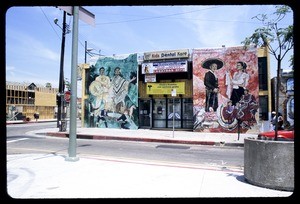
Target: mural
225, 89
112, 88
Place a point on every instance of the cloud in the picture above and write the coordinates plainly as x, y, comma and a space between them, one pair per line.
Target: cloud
23, 43
215, 26
10, 68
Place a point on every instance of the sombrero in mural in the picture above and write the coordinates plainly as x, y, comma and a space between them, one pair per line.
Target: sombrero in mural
210, 61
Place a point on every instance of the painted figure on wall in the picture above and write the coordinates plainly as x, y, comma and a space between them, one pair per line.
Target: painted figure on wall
100, 88
238, 82
211, 83
236, 90
112, 92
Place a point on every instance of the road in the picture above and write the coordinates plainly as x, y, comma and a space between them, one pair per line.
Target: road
20, 142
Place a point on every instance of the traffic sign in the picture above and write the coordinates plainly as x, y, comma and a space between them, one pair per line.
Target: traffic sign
67, 96
84, 14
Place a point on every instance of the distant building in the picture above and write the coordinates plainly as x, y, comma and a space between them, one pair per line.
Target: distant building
23, 100
286, 96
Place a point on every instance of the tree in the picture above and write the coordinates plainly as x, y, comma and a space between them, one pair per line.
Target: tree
48, 85
278, 40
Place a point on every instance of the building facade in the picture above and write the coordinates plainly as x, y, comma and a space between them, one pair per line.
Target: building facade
286, 96
24, 100
167, 90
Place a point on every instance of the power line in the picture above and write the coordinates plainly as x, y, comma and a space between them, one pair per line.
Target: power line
50, 23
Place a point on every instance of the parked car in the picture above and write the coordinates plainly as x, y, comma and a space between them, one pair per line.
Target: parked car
282, 135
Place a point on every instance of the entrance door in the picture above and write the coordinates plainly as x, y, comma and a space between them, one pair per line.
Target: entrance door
145, 113
174, 112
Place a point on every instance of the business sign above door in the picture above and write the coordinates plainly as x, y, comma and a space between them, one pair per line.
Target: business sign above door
164, 67
170, 54
165, 88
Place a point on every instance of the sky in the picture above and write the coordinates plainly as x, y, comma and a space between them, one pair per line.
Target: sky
33, 40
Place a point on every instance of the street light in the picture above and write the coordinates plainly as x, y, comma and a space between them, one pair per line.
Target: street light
60, 102
89, 51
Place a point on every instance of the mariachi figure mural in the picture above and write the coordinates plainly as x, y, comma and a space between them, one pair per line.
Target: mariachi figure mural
225, 89
113, 93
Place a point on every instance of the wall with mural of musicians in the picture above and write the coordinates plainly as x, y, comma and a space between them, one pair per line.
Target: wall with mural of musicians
111, 84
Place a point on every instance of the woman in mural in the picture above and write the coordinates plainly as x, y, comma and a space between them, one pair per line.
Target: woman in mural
229, 112
238, 82
227, 115
247, 108
211, 83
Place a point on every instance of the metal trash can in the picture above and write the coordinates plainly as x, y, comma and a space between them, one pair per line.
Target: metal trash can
63, 126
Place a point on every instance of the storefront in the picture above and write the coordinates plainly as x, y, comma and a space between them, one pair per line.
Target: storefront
165, 90
169, 89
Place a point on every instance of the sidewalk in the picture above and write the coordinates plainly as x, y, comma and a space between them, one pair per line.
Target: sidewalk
147, 135
52, 176
55, 176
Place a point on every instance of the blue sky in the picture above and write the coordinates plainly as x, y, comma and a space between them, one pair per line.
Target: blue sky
33, 41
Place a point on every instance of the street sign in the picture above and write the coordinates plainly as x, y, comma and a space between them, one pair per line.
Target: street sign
84, 14
67, 96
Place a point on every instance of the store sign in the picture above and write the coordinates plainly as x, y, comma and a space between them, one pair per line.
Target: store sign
150, 78
164, 67
165, 88
171, 54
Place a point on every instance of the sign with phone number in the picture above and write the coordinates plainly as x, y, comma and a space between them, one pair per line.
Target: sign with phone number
165, 88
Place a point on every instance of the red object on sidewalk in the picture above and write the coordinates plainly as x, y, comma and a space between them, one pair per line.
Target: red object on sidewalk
281, 134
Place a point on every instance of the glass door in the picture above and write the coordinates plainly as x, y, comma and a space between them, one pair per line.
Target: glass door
174, 112
145, 113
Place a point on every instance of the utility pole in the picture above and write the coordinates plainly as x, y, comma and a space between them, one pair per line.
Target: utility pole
73, 102
85, 51
89, 18
60, 102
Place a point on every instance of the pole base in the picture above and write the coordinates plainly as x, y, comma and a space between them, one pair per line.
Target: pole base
72, 159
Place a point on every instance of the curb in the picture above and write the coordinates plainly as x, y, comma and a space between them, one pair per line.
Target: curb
26, 122
136, 139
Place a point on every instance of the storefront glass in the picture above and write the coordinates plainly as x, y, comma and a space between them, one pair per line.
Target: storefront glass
159, 113
163, 113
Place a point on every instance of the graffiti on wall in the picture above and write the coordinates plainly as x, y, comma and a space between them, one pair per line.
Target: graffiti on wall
112, 88
225, 89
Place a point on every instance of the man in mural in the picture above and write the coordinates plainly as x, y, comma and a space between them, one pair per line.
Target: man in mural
102, 117
123, 119
100, 88
211, 83
120, 89
238, 82
131, 100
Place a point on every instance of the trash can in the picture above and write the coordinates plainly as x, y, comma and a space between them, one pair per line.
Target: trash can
63, 126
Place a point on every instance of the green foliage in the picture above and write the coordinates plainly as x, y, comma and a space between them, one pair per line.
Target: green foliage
278, 40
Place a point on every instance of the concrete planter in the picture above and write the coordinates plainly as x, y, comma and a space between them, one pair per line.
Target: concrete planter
269, 163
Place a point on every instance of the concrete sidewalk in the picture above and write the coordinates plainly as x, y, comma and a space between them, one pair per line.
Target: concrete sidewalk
148, 135
52, 176
55, 176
